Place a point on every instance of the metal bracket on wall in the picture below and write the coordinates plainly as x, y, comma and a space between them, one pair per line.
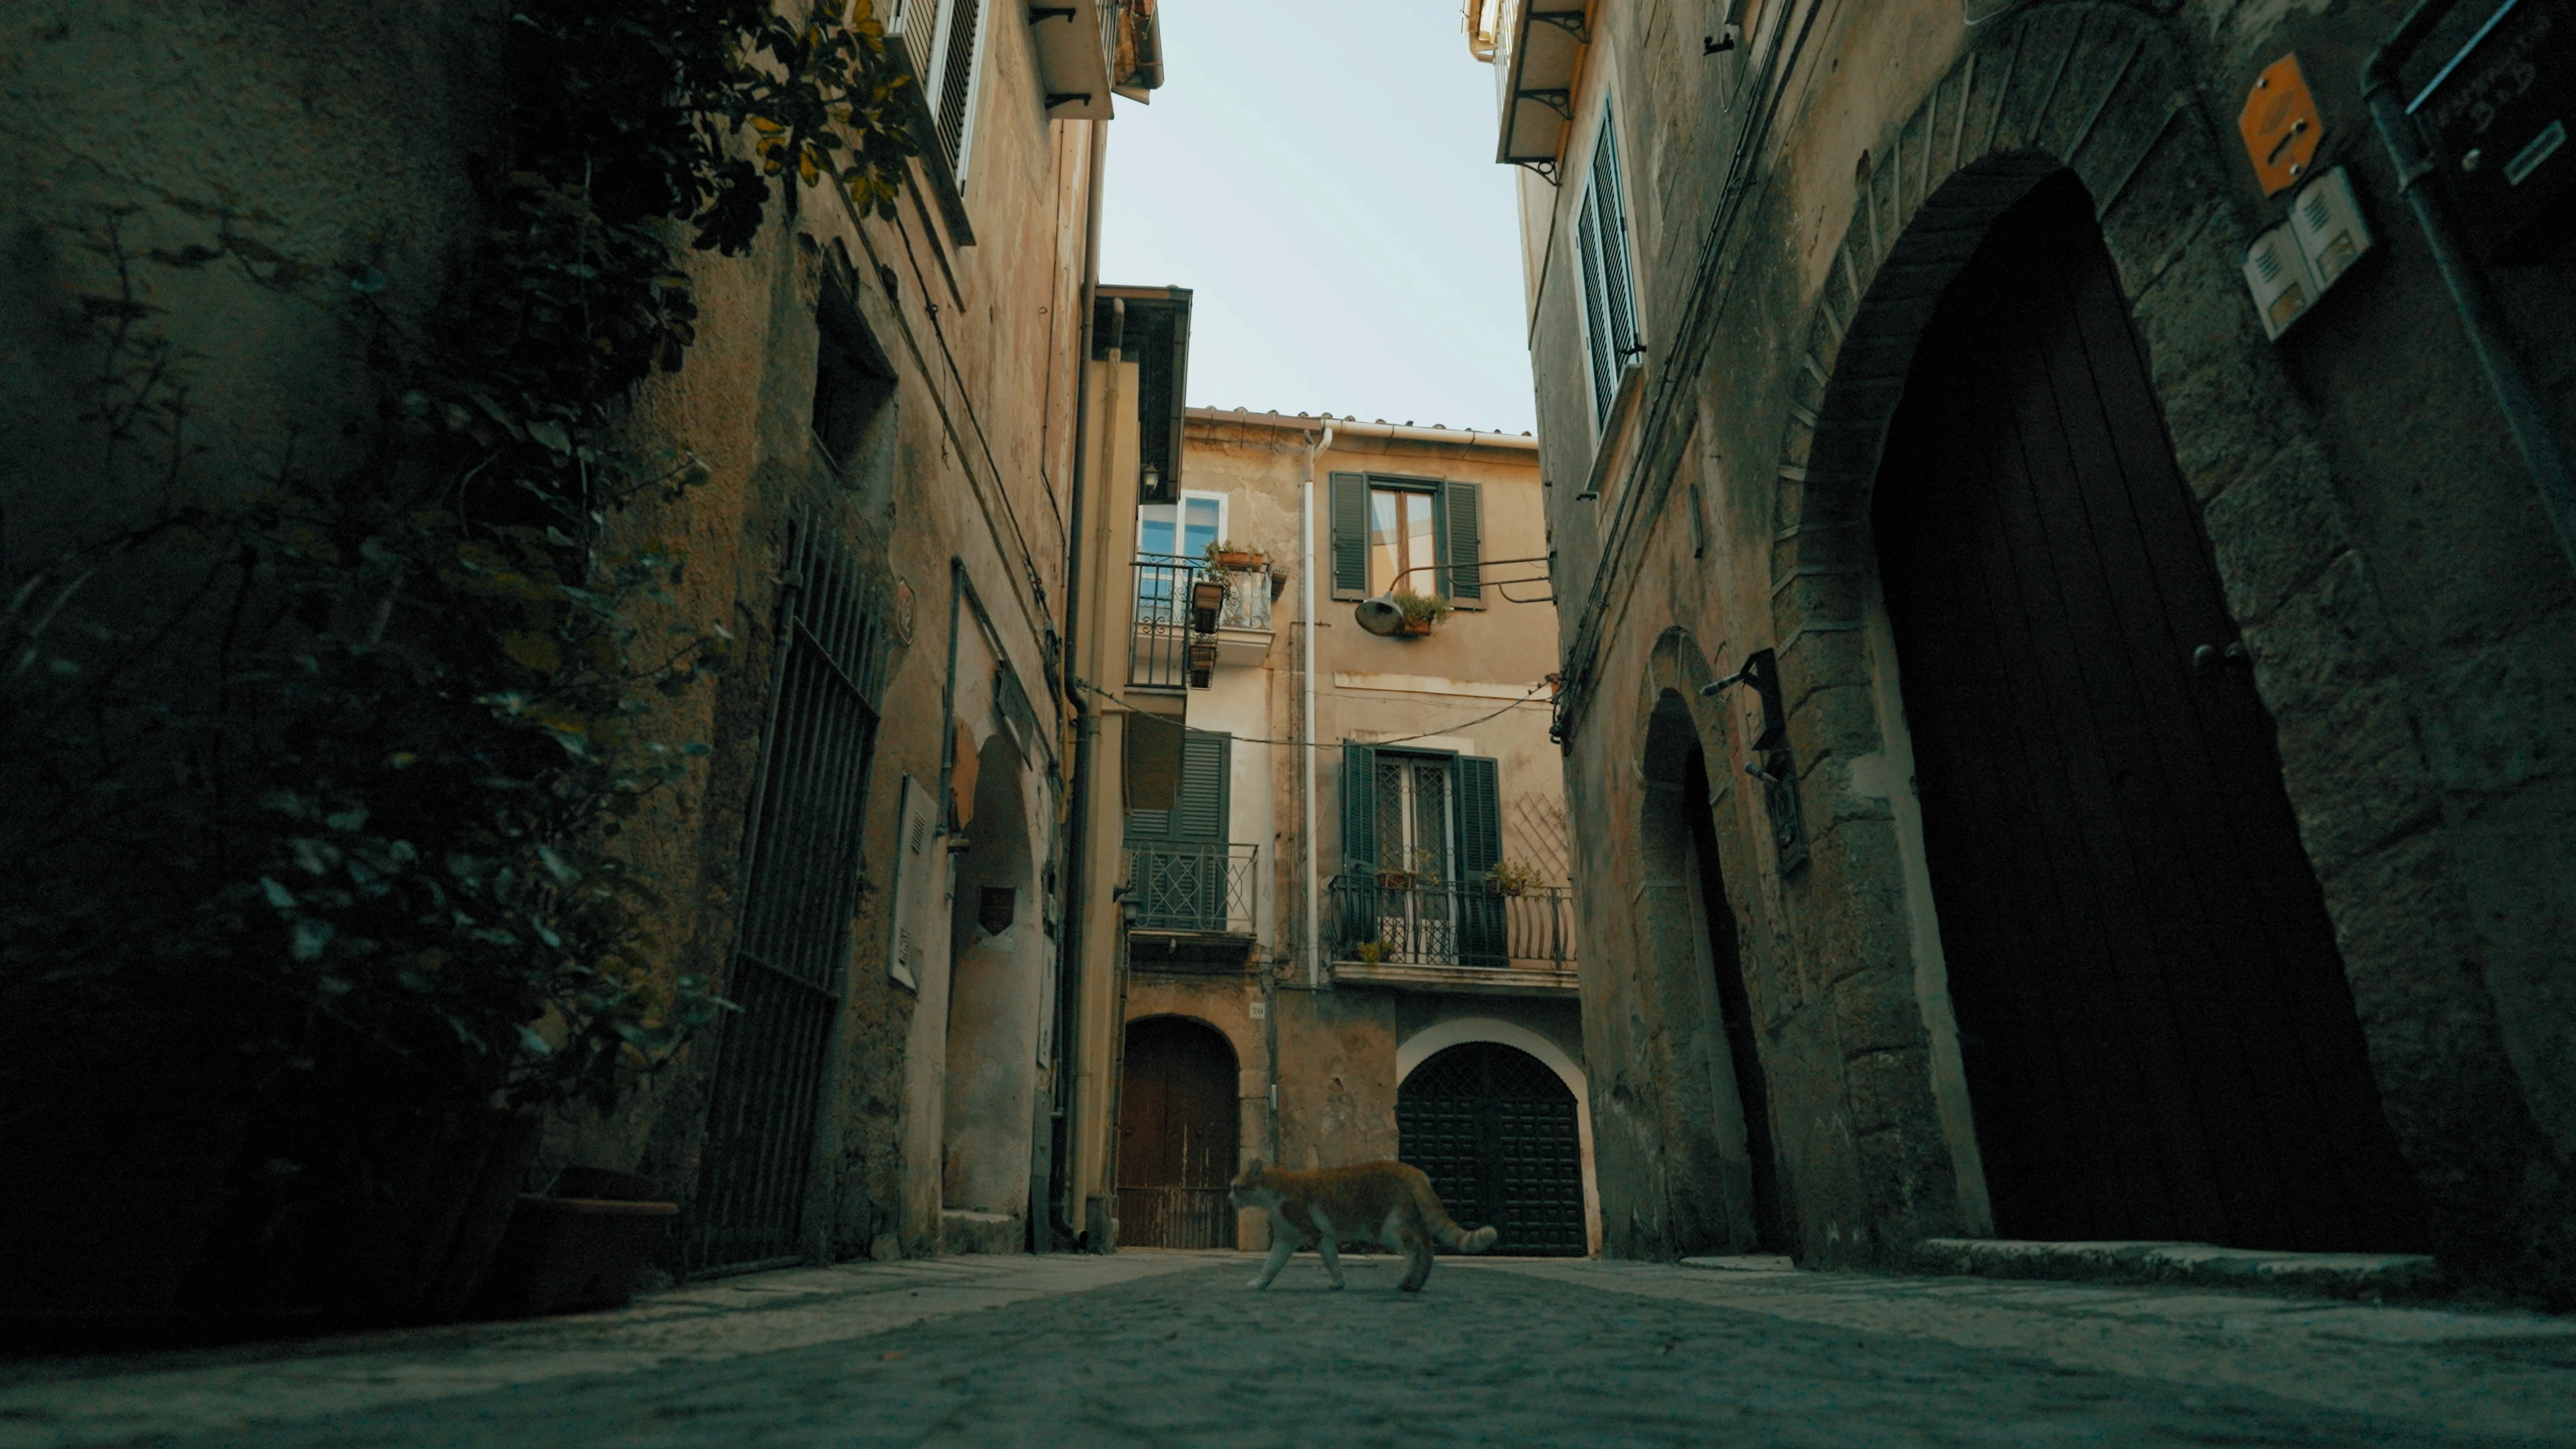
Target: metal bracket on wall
1774, 763
1569, 21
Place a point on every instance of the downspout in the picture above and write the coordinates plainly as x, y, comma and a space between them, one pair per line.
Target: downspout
1086, 731
2479, 316
1306, 715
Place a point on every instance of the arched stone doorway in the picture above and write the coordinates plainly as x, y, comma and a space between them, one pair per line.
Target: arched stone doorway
996, 1002
2158, 1035
1179, 1126
1499, 1134
1723, 1192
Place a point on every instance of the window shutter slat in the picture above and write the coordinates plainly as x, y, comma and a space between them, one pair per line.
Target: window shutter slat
1480, 816
1614, 245
1359, 809
1596, 319
1463, 509
1200, 814
1483, 926
1350, 535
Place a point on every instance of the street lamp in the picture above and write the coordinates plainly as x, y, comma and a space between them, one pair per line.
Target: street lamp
1380, 615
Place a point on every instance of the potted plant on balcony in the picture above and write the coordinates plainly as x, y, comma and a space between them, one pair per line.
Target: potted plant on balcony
1512, 878
1227, 554
1421, 612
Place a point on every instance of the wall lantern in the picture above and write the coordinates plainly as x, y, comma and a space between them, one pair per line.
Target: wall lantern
1207, 596
1202, 662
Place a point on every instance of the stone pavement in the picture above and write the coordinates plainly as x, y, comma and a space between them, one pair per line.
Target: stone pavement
1170, 1349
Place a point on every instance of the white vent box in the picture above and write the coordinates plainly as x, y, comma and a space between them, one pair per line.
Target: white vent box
2290, 266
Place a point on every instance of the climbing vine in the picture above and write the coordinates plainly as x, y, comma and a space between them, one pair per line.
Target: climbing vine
325, 782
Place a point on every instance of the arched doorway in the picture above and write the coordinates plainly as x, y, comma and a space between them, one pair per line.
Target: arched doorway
2157, 1031
1735, 1012
1178, 1128
1496, 1131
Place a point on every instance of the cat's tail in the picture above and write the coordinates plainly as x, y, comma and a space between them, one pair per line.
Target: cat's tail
1445, 1231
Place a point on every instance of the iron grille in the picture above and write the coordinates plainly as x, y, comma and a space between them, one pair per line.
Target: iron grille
1158, 653
1496, 1132
1176, 1217
1397, 918
1192, 887
793, 942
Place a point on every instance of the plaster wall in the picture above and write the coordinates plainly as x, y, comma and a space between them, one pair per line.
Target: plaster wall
2382, 552
339, 139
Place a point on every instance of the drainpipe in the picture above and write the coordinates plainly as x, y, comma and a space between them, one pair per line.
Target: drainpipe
1306, 716
1086, 733
2523, 413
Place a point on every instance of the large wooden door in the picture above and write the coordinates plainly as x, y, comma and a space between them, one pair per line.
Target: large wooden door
1178, 1127
2159, 1038
1495, 1131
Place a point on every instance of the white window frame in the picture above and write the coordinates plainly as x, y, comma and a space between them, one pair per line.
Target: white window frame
1178, 513
1602, 375
929, 63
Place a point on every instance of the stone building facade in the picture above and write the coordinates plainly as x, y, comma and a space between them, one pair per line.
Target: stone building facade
2088, 769
1408, 1006
886, 409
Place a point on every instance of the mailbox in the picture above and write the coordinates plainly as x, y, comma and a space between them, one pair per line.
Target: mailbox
2496, 117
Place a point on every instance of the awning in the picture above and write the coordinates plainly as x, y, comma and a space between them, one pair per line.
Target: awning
1548, 37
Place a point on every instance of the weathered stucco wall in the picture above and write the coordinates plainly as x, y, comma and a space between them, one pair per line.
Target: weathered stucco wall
335, 139
2382, 553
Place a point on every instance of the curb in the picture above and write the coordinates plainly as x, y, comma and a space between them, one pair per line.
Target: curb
2356, 1276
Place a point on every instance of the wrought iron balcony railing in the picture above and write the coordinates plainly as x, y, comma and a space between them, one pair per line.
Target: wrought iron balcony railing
1158, 652
1192, 887
1247, 597
1404, 920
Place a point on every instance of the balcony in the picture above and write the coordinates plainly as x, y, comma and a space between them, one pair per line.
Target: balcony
1158, 647
1193, 905
1387, 929
1243, 629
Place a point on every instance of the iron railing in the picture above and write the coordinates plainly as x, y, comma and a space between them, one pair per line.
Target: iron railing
1192, 887
1175, 1217
1408, 921
1158, 651
1247, 597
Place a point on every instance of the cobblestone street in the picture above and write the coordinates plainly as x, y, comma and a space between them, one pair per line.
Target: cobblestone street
1170, 1348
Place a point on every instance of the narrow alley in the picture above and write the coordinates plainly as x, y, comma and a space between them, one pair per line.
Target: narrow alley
791, 721
1169, 1349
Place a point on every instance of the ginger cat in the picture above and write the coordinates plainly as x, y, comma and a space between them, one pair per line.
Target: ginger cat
1385, 1201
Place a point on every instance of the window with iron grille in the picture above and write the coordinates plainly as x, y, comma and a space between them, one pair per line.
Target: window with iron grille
1609, 294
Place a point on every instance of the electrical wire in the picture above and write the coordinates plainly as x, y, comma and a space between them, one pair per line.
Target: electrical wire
1528, 698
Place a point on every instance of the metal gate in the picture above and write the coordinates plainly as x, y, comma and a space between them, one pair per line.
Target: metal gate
793, 942
2159, 1038
1496, 1132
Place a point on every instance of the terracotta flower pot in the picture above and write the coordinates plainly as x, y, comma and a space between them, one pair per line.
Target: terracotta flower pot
563, 1253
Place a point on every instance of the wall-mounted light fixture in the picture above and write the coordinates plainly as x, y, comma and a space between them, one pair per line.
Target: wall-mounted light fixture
1381, 616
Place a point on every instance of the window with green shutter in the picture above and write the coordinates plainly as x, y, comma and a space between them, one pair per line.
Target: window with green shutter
1199, 810
1609, 293
1418, 534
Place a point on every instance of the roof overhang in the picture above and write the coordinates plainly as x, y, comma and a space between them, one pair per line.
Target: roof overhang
1547, 42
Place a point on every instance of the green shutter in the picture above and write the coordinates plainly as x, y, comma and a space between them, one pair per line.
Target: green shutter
1483, 918
1350, 523
1480, 816
1199, 816
1462, 509
1359, 809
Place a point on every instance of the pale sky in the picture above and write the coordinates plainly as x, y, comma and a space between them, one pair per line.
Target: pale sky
1322, 176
